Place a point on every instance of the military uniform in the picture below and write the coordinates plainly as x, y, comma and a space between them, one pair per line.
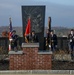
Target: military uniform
14, 41
71, 45
53, 42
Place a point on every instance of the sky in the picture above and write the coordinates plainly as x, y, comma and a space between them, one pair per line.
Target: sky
60, 11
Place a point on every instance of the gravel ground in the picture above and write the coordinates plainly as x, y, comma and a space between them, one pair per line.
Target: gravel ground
4, 65
62, 65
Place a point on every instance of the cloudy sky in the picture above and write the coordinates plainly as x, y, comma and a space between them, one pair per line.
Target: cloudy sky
60, 11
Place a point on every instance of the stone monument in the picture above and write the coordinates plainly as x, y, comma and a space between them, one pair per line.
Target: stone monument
37, 15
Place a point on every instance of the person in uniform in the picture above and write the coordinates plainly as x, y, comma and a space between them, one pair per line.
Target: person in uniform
53, 41
32, 37
14, 37
71, 43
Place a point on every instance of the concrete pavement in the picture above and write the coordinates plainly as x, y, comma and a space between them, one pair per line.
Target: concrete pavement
37, 72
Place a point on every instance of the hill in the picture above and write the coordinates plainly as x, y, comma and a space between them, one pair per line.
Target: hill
60, 31
6, 28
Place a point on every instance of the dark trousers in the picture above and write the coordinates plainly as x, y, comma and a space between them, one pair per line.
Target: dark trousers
13, 45
72, 51
53, 47
71, 47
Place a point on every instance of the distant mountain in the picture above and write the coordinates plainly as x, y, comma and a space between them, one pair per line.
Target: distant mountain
6, 28
60, 31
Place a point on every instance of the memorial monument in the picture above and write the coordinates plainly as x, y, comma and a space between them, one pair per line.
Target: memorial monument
30, 58
37, 16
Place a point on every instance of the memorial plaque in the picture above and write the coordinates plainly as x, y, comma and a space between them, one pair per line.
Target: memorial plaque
37, 16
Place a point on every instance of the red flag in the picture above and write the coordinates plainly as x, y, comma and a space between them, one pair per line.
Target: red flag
28, 27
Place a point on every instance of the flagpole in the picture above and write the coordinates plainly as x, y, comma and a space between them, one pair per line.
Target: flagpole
49, 28
10, 27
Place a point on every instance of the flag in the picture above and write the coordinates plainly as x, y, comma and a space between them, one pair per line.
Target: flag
10, 28
28, 27
10, 33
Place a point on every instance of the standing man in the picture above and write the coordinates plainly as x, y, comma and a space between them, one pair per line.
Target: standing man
31, 37
71, 43
53, 41
14, 40
34, 37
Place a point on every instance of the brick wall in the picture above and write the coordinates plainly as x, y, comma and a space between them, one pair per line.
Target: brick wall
44, 61
30, 59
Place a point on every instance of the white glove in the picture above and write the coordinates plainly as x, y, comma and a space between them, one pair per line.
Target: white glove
11, 39
70, 40
49, 46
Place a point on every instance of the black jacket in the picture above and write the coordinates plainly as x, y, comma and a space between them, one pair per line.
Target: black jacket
71, 38
54, 39
15, 38
32, 39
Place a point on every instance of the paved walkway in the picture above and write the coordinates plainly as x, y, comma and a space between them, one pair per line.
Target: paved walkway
37, 72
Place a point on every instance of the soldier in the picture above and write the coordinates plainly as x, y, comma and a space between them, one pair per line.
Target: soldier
34, 37
71, 43
14, 37
53, 41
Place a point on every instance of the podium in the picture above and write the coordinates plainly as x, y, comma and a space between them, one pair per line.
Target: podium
29, 58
